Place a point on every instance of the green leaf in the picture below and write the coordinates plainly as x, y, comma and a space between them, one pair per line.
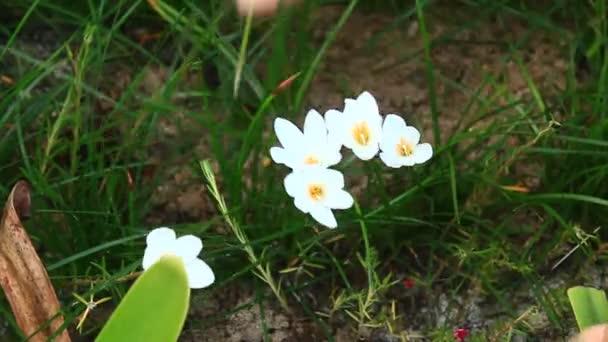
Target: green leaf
154, 308
590, 306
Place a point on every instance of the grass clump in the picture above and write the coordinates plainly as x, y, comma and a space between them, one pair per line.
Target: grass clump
107, 108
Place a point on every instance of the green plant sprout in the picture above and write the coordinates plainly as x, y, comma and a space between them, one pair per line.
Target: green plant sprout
155, 307
589, 305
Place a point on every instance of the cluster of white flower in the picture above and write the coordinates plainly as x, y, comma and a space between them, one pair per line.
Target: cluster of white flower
315, 188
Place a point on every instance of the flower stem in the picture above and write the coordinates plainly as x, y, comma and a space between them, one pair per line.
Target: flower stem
262, 271
368, 253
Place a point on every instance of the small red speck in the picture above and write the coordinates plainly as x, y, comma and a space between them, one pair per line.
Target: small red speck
460, 334
408, 283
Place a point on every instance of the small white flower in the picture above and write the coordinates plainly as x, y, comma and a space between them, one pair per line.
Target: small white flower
162, 242
303, 149
359, 127
317, 191
400, 145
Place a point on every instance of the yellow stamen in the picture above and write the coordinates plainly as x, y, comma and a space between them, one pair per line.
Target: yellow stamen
316, 192
311, 160
404, 147
361, 133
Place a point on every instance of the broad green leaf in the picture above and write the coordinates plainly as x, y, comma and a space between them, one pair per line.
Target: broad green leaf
154, 308
590, 306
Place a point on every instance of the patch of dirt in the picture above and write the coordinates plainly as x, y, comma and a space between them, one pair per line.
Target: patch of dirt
250, 323
182, 198
390, 64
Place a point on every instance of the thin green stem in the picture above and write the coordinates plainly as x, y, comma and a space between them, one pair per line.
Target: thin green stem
368, 252
454, 189
243, 51
430, 70
331, 36
262, 270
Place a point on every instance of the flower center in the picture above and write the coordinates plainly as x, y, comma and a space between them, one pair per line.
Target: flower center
404, 148
316, 192
311, 160
361, 133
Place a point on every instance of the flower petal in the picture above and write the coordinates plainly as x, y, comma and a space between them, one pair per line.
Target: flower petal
279, 155
315, 130
375, 125
339, 199
423, 153
199, 274
334, 121
408, 161
160, 235
411, 134
302, 204
367, 105
388, 143
349, 102
152, 254
334, 178
365, 152
390, 159
288, 134
324, 216
188, 247
333, 156
393, 127
294, 184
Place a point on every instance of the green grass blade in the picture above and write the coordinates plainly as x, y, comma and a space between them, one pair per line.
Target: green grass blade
331, 36
590, 306
72, 258
566, 196
155, 307
16, 31
180, 22
454, 188
243, 52
430, 71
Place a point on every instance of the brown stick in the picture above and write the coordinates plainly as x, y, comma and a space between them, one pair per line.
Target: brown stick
22, 275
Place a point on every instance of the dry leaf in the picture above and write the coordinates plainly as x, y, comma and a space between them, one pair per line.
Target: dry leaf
22, 275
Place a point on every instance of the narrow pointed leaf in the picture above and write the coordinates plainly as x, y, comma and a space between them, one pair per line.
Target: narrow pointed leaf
154, 308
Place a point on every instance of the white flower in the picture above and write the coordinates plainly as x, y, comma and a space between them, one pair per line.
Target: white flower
303, 149
400, 145
162, 242
317, 191
359, 127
